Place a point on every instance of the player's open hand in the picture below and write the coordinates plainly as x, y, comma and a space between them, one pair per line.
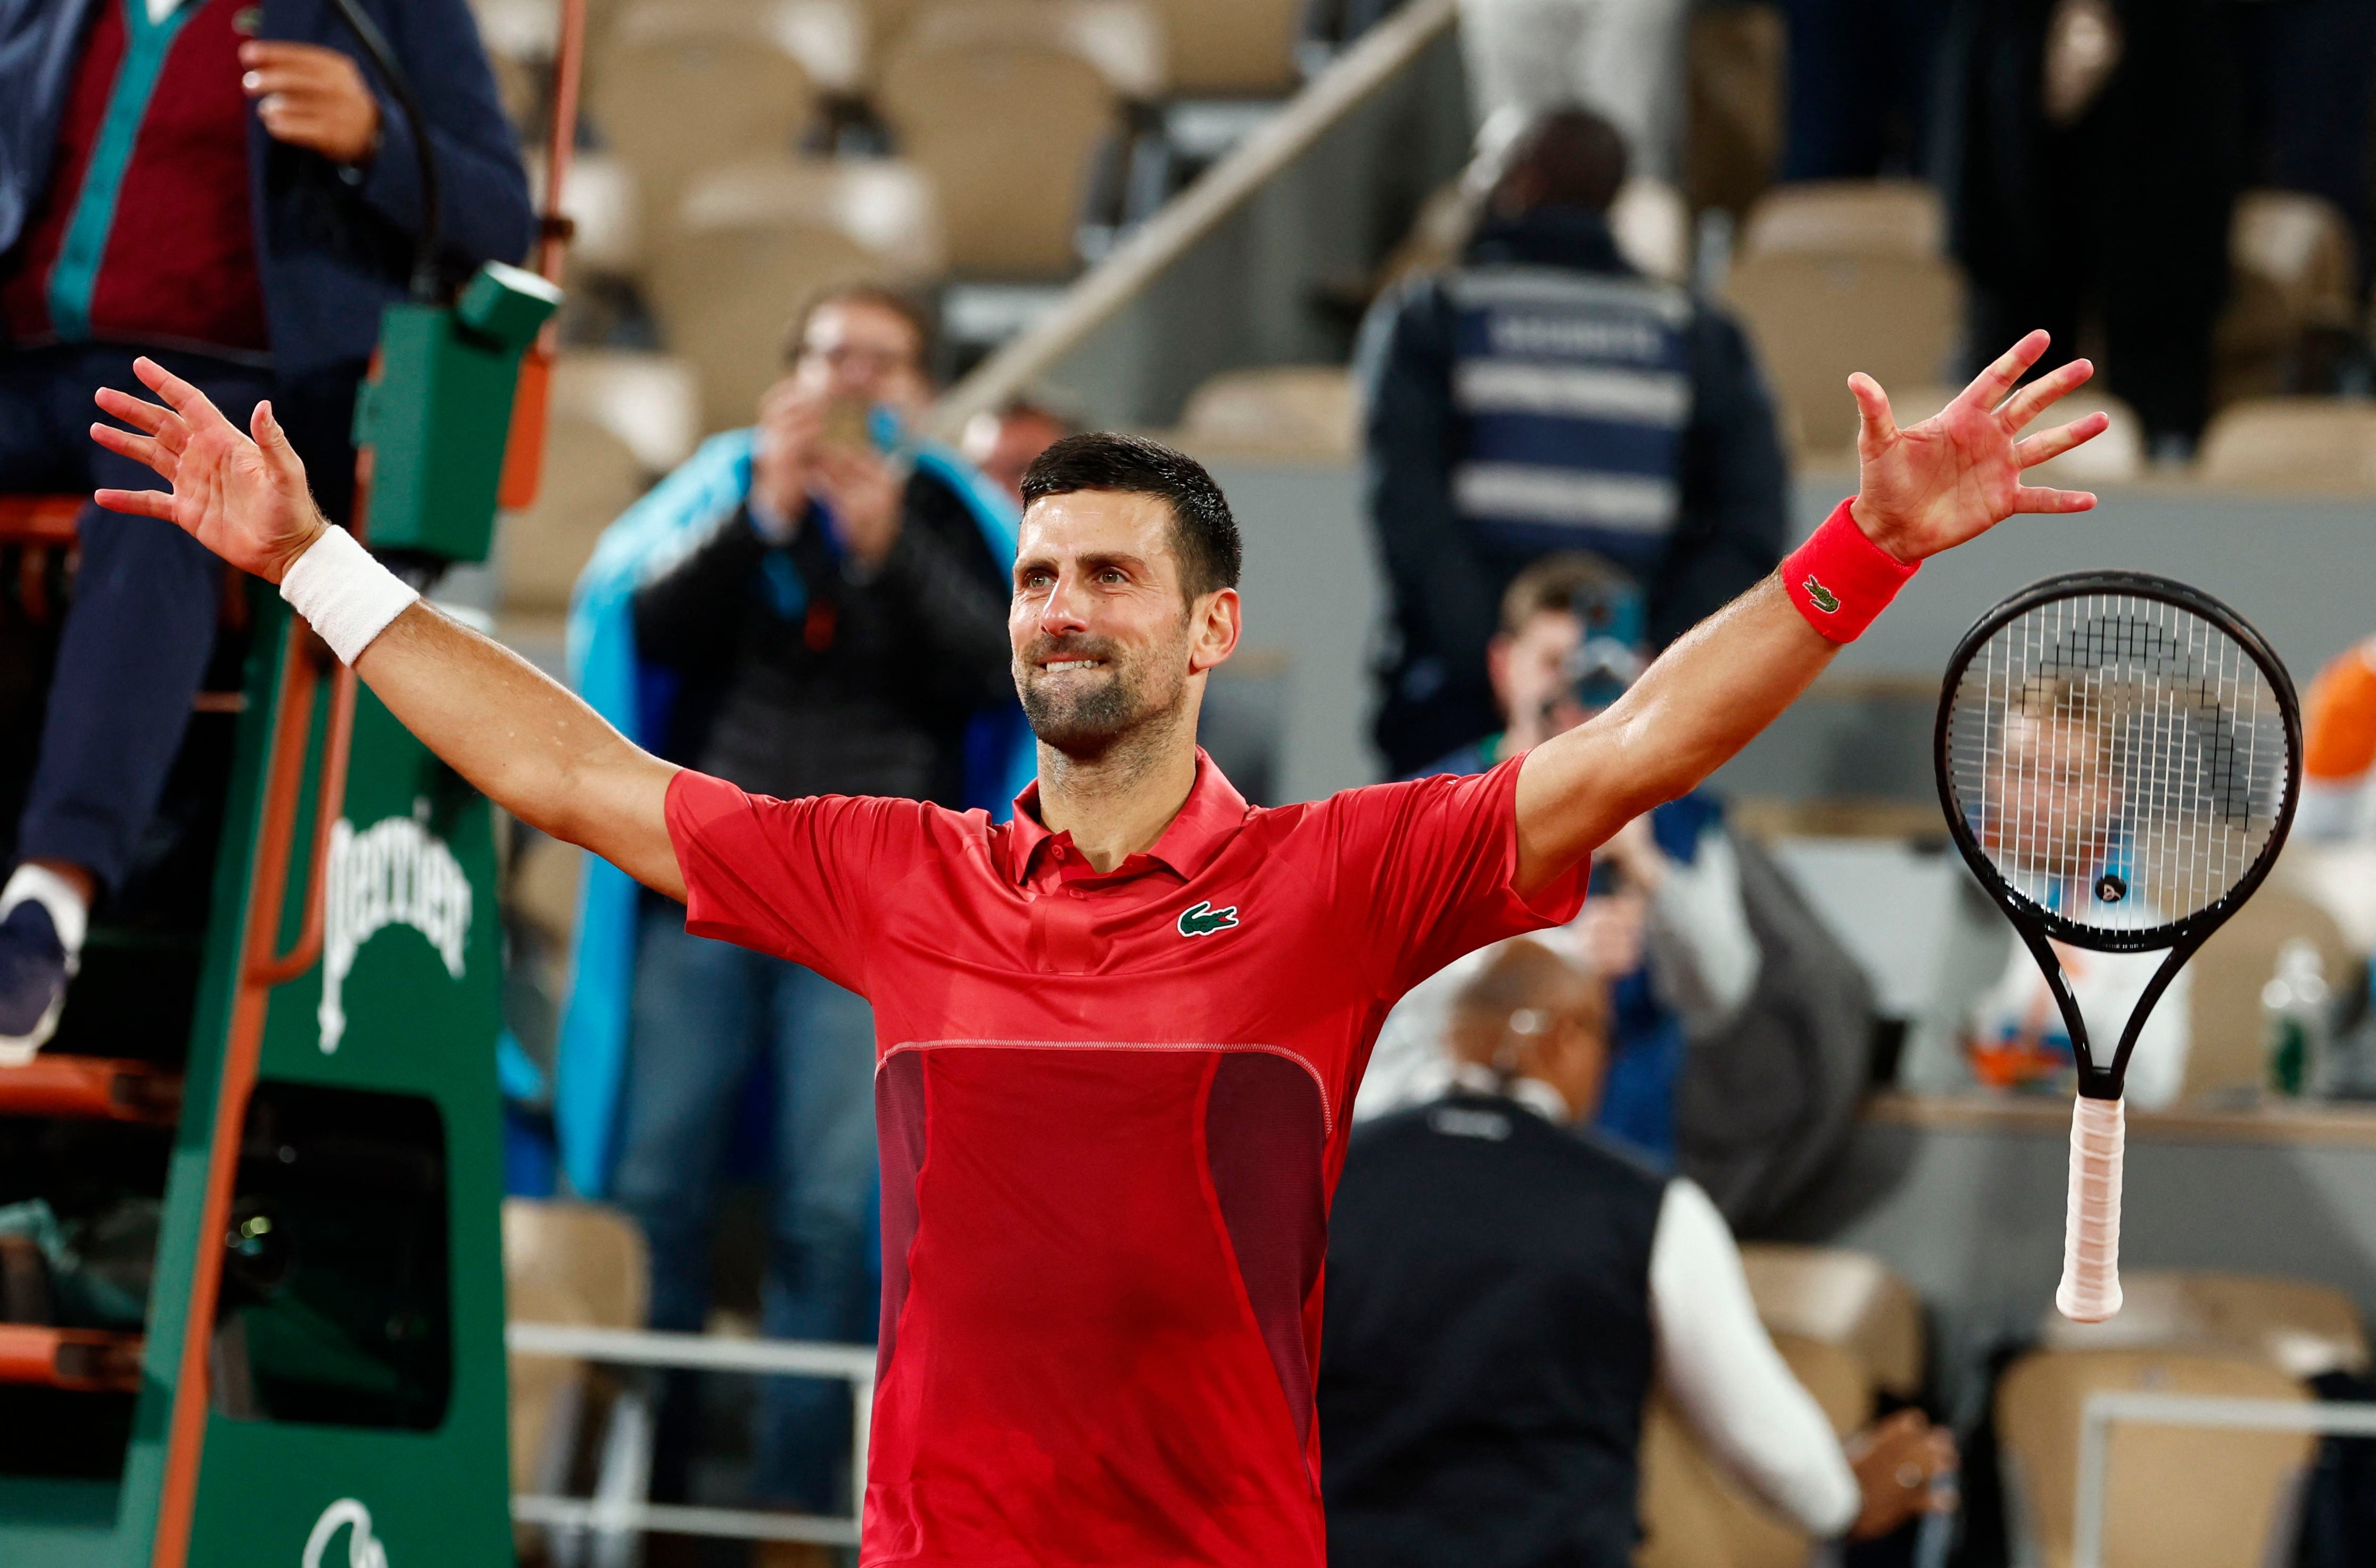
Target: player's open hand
243, 497
1958, 473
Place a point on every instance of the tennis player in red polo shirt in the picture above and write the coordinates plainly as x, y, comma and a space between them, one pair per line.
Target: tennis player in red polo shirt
1118, 1037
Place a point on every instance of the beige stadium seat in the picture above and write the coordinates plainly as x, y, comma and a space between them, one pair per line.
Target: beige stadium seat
685, 84
1231, 48
2302, 1328
752, 244
1652, 229
571, 1263
650, 402
1847, 218
603, 202
1695, 1515
2225, 1052
2292, 271
1815, 318
591, 476
1734, 79
1844, 1297
1303, 411
2300, 443
2175, 1497
1008, 125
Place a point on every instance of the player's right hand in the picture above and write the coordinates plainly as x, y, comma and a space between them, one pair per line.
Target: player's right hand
243, 496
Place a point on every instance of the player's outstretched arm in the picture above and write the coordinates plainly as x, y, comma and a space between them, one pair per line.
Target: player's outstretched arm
1919, 492
522, 739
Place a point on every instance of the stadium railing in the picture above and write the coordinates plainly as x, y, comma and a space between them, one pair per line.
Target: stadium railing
610, 1512
2103, 1408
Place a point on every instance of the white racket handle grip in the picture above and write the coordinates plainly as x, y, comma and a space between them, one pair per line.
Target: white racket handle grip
2091, 1225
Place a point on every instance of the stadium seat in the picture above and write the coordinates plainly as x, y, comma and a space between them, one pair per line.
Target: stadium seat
2302, 1328
1815, 318
1734, 79
1231, 48
1695, 1516
1652, 229
603, 202
751, 243
1849, 1298
591, 476
684, 84
572, 1263
2303, 443
2293, 273
1008, 120
650, 402
2176, 1497
1291, 411
1847, 218
2225, 1056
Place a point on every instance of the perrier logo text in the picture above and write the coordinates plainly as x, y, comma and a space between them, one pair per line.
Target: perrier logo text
1823, 597
1203, 920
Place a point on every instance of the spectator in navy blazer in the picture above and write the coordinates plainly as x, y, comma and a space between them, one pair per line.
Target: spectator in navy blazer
223, 185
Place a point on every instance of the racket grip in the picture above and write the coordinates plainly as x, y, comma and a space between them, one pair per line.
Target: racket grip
2091, 1226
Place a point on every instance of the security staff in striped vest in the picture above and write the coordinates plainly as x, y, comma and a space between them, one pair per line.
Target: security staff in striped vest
1547, 396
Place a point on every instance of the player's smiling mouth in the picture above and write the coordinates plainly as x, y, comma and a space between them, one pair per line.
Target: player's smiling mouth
1053, 665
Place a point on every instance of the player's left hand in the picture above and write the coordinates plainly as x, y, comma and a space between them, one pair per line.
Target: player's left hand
311, 96
1958, 473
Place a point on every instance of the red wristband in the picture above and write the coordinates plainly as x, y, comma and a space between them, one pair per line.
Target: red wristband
1840, 580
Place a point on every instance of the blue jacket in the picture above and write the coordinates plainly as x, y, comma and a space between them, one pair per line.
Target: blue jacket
334, 247
1446, 576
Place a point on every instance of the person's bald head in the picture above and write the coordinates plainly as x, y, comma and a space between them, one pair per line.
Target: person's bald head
1529, 1013
1567, 158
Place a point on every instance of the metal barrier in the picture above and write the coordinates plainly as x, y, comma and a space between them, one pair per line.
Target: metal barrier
2185, 1411
632, 1348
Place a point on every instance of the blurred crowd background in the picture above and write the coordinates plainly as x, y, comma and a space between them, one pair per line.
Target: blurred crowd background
1516, 331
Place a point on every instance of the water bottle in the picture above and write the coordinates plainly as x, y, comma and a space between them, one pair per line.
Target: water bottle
2294, 1018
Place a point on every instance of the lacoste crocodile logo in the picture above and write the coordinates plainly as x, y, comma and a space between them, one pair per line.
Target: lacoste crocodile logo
1203, 920
1823, 599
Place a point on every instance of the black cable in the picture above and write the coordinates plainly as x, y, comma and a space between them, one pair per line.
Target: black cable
425, 287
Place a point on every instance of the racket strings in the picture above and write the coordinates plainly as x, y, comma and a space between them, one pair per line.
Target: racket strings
2121, 761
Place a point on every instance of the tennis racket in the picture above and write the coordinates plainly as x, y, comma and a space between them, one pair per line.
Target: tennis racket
2118, 758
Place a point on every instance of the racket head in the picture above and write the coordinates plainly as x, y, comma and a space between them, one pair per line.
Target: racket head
2118, 758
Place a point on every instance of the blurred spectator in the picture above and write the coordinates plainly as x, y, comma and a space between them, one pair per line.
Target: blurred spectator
830, 595
2090, 165
1002, 442
1669, 918
1992, 1023
1623, 59
241, 207
1501, 1291
1859, 101
1547, 396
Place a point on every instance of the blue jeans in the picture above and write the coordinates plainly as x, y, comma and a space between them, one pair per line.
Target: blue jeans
703, 1013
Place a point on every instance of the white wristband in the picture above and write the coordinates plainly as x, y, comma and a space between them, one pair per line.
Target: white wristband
348, 597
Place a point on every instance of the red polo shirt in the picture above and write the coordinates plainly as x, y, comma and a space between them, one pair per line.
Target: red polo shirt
1112, 1108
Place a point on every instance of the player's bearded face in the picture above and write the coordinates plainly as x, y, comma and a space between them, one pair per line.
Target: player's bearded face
1082, 692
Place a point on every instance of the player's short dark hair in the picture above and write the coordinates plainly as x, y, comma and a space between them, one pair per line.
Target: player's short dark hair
1568, 157
1570, 580
1204, 534
907, 307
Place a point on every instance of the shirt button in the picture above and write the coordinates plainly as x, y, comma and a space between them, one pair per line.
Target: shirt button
1078, 894
1060, 852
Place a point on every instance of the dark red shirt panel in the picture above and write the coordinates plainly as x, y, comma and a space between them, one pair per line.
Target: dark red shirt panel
1113, 1107
179, 268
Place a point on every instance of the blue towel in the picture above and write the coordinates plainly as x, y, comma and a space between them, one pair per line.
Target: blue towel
679, 514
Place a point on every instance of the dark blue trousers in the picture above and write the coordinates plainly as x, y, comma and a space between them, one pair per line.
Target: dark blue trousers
146, 596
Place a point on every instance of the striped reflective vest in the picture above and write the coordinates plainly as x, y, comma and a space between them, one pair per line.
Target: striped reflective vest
1574, 389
